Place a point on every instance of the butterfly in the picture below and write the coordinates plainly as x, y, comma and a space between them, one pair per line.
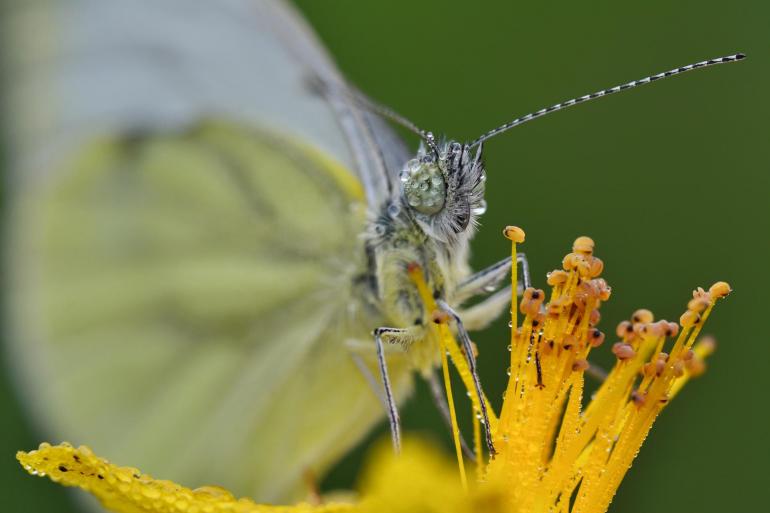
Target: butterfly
209, 235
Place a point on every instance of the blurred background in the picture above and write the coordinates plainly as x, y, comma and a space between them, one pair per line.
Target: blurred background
671, 180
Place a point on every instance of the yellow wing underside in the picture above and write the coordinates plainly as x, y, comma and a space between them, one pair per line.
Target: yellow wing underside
183, 300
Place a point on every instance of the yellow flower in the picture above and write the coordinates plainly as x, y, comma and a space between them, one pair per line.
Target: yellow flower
553, 454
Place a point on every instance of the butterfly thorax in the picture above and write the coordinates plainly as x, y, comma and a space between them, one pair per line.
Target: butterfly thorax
429, 220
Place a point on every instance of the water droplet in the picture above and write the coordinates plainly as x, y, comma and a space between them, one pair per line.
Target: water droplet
508, 372
481, 208
510, 324
509, 348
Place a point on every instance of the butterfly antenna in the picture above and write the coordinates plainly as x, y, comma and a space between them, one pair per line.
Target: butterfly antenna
395, 117
605, 92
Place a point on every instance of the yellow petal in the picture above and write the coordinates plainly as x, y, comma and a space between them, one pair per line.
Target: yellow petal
127, 490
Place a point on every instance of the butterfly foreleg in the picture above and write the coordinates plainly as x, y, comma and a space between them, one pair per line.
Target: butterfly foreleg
489, 279
480, 315
465, 339
394, 335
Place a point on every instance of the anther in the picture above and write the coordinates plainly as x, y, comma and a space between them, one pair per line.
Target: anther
531, 301
689, 319
625, 330
584, 245
571, 261
596, 338
580, 365
649, 369
695, 366
699, 292
514, 233
604, 289
583, 265
557, 277
642, 316
698, 304
657, 329
706, 345
720, 289
596, 267
678, 368
439, 317
623, 351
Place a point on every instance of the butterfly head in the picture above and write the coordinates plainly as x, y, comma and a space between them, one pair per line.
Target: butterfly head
443, 189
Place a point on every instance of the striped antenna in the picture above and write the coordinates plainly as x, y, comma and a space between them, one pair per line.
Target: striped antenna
604, 92
427, 137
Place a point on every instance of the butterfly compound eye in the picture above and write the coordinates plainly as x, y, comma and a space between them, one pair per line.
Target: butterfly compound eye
423, 186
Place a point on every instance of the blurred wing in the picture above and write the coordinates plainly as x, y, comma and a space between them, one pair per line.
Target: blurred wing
183, 235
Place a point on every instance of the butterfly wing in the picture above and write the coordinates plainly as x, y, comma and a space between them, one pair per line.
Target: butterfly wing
183, 236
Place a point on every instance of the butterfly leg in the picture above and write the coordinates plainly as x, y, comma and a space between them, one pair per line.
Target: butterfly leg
392, 409
489, 278
468, 348
480, 315
439, 398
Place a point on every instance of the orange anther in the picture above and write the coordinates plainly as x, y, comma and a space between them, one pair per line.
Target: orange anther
572, 261
642, 315
720, 289
604, 289
672, 329
514, 233
625, 330
698, 304
594, 317
579, 365
439, 317
689, 319
638, 398
595, 337
557, 277
706, 345
531, 301
584, 245
597, 267
623, 351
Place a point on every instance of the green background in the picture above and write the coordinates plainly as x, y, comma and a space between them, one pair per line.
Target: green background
671, 180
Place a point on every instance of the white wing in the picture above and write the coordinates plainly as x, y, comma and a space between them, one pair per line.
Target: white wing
180, 287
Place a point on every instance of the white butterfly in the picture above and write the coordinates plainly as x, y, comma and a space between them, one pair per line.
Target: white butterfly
207, 223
